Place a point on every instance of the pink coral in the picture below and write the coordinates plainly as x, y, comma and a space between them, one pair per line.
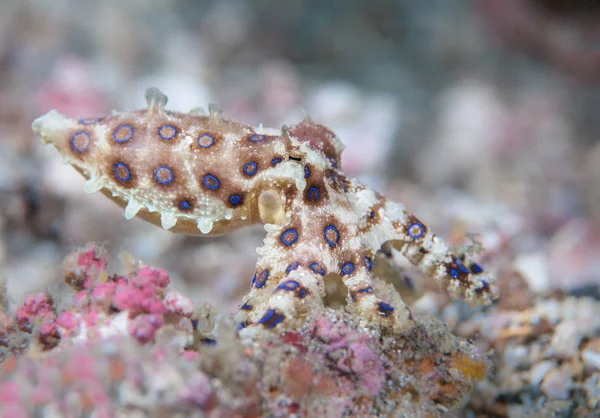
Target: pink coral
356, 356
142, 297
36, 308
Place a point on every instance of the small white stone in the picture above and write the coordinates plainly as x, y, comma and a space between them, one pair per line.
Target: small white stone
591, 357
540, 370
534, 268
566, 339
557, 384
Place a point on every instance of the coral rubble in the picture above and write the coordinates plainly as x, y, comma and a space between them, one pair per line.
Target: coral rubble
546, 353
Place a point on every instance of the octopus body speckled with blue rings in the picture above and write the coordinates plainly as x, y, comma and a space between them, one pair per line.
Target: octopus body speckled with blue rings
196, 173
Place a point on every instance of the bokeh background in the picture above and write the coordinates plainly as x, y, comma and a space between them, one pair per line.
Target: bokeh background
479, 115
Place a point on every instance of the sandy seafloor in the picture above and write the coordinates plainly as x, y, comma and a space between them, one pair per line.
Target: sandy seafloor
480, 116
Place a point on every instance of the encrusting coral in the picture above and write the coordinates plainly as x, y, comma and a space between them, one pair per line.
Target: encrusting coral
202, 174
126, 345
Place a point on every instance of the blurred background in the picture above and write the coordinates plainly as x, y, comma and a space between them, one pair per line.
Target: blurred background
481, 116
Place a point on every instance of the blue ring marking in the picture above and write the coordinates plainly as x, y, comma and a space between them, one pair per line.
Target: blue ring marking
372, 214
460, 266
313, 193
90, 121
167, 137
157, 177
485, 287
421, 230
256, 138
261, 279
289, 285
335, 231
250, 168
72, 141
368, 263
306, 172
368, 289
212, 140
185, 204
347, 268
476, 268
317, 268
116, 167
291, 267
286, 239
333, 162
118, 128
454, 273
246, 307
386, 307
269, 314
235, 199
266, 316
253, 280
301, 293
275, 161
208, 341
206, 179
